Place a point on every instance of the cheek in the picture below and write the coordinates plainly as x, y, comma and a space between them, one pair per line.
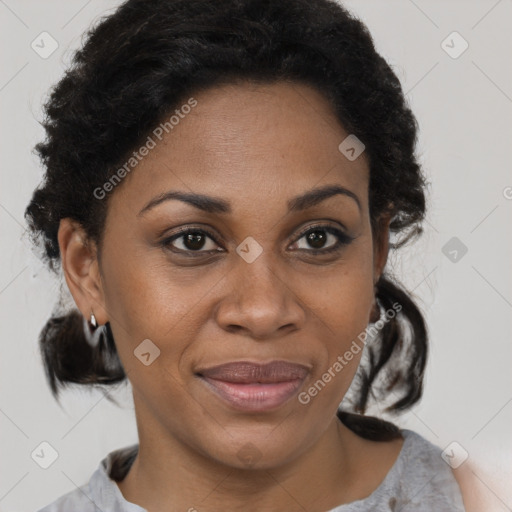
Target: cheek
148, 293
148, 298
342, 302
339, 342
342, 296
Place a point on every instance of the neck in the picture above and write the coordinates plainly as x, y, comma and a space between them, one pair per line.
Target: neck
171, 476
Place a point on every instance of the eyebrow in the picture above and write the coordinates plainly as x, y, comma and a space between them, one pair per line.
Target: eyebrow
215, 205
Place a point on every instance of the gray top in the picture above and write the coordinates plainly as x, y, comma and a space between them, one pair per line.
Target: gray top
419, 480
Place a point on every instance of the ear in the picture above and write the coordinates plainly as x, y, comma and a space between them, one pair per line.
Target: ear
381, 246
81, 270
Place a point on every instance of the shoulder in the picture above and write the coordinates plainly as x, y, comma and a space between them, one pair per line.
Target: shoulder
425, 481
77, 499
100, 493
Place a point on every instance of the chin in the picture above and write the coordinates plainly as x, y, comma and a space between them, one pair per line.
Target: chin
256, 452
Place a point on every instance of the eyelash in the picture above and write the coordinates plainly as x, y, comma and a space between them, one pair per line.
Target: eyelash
343, 240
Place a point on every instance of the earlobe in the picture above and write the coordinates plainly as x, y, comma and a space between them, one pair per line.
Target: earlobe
81, 271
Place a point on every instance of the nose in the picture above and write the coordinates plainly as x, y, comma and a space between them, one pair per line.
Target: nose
260, 301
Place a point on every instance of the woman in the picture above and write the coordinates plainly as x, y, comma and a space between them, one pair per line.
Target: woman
222, 182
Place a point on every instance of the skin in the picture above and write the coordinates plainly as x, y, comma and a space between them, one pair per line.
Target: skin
255, 146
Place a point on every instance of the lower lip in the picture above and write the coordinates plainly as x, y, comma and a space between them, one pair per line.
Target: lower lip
254, 397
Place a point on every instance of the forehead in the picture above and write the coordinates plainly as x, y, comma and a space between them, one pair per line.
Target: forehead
246, 142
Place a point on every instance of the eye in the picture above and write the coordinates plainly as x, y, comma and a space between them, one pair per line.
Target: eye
318, 239
323, 239
190, 240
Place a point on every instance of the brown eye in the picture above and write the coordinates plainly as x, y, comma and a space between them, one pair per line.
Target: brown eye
323, 239
191, 240
317, 239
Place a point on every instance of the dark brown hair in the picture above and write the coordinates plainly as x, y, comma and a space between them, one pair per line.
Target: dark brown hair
138, 64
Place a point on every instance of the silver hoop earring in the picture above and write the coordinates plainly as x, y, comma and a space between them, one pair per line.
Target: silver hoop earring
93, 335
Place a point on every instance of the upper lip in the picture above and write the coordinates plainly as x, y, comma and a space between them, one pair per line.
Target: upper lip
248, 372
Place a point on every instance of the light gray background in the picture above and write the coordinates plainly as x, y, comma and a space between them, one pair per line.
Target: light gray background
464, 109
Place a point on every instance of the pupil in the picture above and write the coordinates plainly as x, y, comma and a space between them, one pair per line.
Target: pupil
194, 241
315, 238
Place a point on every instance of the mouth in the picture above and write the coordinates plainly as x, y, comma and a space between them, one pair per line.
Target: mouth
254, 387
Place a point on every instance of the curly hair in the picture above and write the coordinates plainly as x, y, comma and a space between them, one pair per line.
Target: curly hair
139, 63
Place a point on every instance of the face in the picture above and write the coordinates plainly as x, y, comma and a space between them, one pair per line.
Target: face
259, 276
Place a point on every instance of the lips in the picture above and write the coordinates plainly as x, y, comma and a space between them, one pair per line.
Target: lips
246, 372
252, 386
